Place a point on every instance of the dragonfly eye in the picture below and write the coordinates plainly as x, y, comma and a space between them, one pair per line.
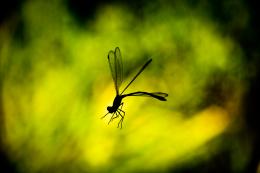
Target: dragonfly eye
109, 108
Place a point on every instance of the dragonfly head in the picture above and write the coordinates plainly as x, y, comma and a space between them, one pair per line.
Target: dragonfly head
109, 109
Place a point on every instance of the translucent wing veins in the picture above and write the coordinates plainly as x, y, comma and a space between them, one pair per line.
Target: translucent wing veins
116, 67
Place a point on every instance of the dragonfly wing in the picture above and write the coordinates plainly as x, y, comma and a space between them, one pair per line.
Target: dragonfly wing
158, 95
140, 71
116, 67
119, 66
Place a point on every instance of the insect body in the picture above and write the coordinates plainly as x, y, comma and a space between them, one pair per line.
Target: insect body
117, 102
116, 68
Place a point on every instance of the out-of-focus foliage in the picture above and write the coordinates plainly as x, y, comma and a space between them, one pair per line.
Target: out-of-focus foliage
57, 85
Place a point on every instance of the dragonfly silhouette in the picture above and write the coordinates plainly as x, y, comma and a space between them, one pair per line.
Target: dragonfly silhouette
116, 68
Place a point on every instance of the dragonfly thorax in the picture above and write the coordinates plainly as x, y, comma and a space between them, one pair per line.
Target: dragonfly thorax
116, 103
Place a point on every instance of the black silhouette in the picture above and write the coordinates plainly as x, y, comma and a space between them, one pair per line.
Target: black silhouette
116, 68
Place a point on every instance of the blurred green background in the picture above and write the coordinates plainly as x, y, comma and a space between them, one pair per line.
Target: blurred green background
56, 84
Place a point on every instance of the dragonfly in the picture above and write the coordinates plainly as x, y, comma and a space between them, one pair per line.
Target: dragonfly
116, 69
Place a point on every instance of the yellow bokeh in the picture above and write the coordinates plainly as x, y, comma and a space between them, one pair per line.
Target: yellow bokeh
57, 86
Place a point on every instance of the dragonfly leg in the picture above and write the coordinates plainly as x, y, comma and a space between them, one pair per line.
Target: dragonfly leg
121, 108
115, 116
122, 111
120, 123
112, 117
105, 115
122, 116
121, 105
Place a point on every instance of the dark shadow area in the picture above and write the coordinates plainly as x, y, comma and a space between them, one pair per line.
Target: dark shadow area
5, 164
83, 10
252, 122
9, 8
250, 44
218, 163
